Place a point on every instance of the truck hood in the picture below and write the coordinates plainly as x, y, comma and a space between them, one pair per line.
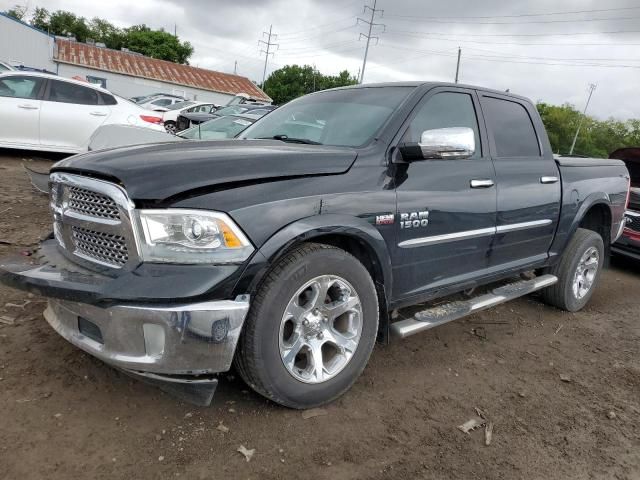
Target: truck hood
161, 171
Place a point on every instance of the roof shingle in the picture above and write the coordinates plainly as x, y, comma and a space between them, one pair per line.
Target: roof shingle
136, 65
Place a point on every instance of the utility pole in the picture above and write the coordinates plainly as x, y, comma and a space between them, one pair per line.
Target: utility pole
267, 52
592, 87
368, 36
458, 65
235, 68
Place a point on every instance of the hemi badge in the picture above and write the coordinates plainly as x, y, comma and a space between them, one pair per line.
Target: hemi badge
385, 219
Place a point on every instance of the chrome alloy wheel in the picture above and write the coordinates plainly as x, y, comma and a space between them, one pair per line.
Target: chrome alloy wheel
586, 272
320, 329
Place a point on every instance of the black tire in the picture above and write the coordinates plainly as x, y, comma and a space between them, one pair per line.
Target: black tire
170, 127
258, 359
561, 295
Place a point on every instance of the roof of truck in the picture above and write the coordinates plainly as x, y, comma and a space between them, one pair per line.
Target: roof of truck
416, 84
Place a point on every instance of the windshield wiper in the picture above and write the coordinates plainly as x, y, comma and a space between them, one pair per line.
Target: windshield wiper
286, 138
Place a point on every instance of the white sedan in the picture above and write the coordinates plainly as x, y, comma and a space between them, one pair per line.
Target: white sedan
45, 112
170, 117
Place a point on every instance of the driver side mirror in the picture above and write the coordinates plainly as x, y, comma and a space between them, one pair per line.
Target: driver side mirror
454, 143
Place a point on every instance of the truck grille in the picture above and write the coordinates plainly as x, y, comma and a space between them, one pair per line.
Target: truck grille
92, 204
92, 221
633, 222
103, 247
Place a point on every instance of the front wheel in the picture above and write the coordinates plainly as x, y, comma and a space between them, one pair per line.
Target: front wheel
578, 272
311, 327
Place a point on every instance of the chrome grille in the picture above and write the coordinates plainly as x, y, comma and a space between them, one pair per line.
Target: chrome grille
633, 222
92, 221
92, 204
103, 247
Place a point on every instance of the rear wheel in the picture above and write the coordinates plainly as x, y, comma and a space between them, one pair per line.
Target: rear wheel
578, 272
170, 127
311, 327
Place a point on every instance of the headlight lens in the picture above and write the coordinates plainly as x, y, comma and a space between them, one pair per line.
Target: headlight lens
191, 236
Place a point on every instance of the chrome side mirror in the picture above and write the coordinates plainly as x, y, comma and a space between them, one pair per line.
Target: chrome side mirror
448, 143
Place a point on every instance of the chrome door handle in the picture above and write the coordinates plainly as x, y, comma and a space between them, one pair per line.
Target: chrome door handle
548, 179
98, 114
28, 107
482, 183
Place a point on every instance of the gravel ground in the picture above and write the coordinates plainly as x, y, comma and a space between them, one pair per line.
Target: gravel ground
68, 416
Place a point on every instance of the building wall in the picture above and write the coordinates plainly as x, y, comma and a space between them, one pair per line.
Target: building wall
128, 86
23, 45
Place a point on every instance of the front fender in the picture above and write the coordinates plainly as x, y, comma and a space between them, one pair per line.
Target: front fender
307, 229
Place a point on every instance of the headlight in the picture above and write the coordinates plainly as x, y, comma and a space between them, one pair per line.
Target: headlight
191, 236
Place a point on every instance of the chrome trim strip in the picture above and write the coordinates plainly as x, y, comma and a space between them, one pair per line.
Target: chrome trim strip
468, 234
523, 226
449, 237
632, 213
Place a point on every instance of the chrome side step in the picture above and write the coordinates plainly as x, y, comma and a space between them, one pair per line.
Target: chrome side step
432, 317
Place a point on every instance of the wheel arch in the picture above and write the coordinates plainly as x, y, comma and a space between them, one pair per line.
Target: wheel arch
352, 234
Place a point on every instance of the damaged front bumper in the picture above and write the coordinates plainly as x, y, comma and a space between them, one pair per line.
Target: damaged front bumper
176, 346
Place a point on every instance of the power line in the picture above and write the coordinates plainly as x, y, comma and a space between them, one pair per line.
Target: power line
600, 10
536, 44
266, 52
564, 34
535, 22
368, 36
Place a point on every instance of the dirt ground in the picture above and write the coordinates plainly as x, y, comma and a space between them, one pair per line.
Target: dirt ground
64, 415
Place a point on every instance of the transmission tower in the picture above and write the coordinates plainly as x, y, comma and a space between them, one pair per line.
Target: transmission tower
368, 36
268, 44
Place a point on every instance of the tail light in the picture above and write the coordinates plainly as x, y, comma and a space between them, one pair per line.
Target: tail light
152, 119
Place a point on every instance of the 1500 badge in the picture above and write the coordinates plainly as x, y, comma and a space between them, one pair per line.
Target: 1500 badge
414, 220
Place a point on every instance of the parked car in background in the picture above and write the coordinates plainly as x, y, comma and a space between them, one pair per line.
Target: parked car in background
50, 113
629, 243
170, 117
220, 128
160, 103
187, 120
5, 67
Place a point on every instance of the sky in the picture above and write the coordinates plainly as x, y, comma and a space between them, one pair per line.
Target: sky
547, 50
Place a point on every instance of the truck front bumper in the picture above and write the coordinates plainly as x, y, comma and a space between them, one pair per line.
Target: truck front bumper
162, 342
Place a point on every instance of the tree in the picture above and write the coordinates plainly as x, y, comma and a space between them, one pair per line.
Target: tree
598, 138
19, 12
293, 81
139, 38
157, 44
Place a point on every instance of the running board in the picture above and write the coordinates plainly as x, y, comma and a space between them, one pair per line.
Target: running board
432, 317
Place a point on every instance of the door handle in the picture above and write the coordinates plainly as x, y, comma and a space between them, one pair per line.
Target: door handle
98, 114
28, 107
548, 180
482, 183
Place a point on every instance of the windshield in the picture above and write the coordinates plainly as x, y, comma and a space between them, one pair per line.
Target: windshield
217, 129
233, 110
179, 105
347, 118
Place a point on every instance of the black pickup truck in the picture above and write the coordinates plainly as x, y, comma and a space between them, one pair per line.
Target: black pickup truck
287, 251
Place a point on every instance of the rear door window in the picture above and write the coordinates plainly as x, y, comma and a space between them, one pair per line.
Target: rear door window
511, 127
20, 87
66, 92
